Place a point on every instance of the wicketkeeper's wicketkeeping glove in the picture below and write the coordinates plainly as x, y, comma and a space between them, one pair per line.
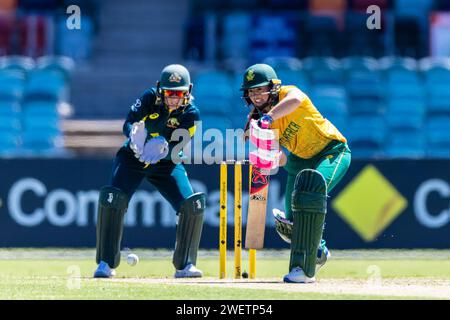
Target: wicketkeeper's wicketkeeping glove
138, 135
155, 149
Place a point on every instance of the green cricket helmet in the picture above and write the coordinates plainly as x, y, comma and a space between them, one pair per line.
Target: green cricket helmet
175, 77
259, 75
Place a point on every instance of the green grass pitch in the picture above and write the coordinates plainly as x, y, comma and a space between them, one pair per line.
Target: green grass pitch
370, 274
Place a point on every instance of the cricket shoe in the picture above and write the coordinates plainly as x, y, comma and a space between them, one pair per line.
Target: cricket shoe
298, 276
104, 271
190, 271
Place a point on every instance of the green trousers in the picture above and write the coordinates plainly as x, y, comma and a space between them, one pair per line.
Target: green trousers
333, 162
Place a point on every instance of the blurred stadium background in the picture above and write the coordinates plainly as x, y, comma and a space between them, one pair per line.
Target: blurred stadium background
64, 95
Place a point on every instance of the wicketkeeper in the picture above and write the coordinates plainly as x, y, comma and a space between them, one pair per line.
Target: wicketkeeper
316, 157
147, 154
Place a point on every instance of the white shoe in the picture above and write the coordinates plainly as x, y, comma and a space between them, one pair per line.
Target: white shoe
190, 271
104, 271
298, 276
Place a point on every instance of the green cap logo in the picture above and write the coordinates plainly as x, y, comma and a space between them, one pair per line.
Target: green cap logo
175, 77
250, 75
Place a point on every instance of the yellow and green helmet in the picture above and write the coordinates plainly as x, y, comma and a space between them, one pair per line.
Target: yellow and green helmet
259, 75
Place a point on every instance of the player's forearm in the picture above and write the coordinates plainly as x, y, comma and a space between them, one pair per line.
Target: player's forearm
285, 107
127, 128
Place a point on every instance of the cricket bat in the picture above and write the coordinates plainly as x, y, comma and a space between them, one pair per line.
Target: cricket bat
257, 207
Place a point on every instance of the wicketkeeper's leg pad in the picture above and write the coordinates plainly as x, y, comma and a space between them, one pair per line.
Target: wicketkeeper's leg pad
189, 231
309, 207
112, 205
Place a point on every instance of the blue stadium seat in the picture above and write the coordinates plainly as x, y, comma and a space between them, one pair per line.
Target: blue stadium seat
405, 144
331, 101
405, 114
395, 77
334, 113
17, 63
359, 63
10, 123
41, 109
213, 92
42, 133
45, 123
437, 76
41, 142
403, 71
9, 143
358, 89
212, 80
61, 64
438, 139
284, 63
238, 104
330, 107
12, 84
296, 78
365, 91
46, 85
9, 108
237, 79
332, 91
396, 63
366, 135
405, 91
435, 70
439, 99
366, 106
323, 70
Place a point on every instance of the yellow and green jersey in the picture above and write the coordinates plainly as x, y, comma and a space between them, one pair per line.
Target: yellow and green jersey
305, 132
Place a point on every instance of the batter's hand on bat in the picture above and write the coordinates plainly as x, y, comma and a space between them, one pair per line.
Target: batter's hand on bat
265, 121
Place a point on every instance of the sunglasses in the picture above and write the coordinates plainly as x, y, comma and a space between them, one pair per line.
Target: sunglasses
176, 93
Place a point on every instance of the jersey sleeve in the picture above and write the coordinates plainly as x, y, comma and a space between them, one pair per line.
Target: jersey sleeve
139, 110
189, 121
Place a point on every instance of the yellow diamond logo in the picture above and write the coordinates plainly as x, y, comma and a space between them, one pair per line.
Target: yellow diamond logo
369, 204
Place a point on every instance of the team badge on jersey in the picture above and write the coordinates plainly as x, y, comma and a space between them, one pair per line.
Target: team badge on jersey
173, 123
136, 105
175, 77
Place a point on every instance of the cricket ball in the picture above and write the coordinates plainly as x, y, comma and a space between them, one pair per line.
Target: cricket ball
245, 275
132, 259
